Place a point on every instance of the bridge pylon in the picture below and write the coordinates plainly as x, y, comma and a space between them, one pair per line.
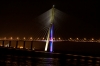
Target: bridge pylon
50, 31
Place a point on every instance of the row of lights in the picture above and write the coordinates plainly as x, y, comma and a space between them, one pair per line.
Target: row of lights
44, 38
17, 38
21, 47
29, 38
79, 39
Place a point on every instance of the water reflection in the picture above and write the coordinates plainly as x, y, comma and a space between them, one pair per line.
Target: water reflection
47, 62
68, 60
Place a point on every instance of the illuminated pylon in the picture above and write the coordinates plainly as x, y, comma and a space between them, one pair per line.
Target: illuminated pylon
50, 32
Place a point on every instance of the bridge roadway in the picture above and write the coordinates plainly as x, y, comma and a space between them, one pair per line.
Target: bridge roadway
25, 45
59, 40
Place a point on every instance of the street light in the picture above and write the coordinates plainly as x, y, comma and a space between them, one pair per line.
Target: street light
92, 38
11, 38
70, 38
24, 38
43, 38
31, 38
17, 38
77, 38
59, 38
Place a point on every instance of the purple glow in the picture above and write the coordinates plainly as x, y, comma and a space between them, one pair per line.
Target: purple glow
51, 39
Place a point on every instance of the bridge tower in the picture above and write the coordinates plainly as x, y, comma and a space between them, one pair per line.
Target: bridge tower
50, 31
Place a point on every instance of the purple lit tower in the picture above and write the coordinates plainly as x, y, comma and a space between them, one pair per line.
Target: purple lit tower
51, 39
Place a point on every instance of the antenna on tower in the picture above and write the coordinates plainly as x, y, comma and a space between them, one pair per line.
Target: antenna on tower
53, 6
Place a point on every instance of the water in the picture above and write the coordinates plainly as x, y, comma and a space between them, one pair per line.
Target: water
23, 57
9, 60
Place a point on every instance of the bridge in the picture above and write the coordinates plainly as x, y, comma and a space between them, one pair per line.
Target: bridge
48, 38
4, 42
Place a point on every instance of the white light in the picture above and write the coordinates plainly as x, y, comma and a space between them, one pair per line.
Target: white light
4, 37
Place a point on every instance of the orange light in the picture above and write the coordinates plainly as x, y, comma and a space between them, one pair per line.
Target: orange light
24, 38
31, 38
77, 38
20, 47
11, 38
84, 38
1, 45
59, 38
92, 38
17, 37
70, 38
4, 37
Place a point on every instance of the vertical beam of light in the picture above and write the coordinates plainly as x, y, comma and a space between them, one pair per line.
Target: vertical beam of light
47, 42
51, 39
51, 30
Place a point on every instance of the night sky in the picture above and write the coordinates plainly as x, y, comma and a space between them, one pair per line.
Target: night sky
17, 18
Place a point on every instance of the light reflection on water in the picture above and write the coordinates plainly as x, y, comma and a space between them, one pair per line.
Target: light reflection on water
47, 62
30, 61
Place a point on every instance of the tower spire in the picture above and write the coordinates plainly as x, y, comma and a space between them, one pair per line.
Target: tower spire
53, 6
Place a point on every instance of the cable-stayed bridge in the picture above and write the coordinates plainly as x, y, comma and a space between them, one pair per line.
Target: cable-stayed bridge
48, 24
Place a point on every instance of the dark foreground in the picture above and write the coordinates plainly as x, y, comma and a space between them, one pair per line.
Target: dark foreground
23, 57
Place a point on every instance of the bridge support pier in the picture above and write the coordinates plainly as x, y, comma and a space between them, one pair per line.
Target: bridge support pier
16, 44
24, 45
9, 44
31, 45
3, 43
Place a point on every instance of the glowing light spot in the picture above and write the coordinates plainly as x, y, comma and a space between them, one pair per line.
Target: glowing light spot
51, 38
20, 47
11, 38
43, 38
77, 38
31, 38
1, 45
24, 38
84, 38
38, 38
92, 38
59, 38
70, 38
17, 38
